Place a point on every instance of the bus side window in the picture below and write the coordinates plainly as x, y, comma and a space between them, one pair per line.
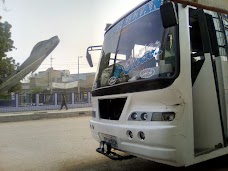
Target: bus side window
197, 54
195, 37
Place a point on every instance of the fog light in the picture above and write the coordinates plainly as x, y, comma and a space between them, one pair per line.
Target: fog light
144, 116
141, 135
134, 116
129, 134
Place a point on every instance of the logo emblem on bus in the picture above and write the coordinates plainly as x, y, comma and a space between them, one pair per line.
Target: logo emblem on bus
147, 73
112, 80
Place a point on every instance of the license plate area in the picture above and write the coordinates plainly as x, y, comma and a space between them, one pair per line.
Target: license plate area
109, 139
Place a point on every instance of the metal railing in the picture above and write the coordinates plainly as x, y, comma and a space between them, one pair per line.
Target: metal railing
33, 102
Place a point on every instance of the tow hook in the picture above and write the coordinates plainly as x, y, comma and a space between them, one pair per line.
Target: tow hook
105, 149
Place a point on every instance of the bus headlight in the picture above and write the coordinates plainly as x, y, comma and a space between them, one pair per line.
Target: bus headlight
144, 116
163, 116
134, 116
151, 116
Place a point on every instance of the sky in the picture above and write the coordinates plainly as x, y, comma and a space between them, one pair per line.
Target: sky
77, 23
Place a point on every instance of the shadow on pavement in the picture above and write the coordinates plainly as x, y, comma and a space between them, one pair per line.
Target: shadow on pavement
218, 164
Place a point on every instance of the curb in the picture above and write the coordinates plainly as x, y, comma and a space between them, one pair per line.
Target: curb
42, 115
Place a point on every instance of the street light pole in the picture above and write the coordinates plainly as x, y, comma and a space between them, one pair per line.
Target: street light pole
79, 95
51, 75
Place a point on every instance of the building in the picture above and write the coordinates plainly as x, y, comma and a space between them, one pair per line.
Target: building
25, 87
61, 80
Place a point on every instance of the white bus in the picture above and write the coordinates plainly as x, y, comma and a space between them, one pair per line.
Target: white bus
161, 89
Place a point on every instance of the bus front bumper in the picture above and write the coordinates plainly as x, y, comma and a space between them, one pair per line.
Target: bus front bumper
159, 143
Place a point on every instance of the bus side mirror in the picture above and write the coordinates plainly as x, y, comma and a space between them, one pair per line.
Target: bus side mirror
89, 59
168, 15
88, 56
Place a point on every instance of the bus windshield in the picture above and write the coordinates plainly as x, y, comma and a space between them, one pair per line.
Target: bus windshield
137, 48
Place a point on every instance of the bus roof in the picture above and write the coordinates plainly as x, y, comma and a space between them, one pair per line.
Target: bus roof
144, 2
220, 6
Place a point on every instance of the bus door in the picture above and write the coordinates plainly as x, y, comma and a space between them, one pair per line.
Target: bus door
209, 131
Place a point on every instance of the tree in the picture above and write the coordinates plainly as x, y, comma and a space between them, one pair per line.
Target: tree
6, 44
36, 90
7, 64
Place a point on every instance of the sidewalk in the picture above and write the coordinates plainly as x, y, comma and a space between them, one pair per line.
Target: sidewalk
44, 114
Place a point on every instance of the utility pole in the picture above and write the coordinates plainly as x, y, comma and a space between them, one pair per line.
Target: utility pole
51, 75
79, 95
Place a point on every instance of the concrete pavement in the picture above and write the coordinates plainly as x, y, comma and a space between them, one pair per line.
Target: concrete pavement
66, 145
44, 114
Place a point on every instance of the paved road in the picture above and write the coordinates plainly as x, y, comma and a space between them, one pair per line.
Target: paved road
66, 145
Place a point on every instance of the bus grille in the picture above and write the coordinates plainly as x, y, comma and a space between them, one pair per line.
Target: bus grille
111, 109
